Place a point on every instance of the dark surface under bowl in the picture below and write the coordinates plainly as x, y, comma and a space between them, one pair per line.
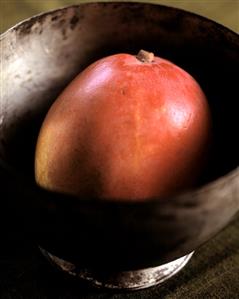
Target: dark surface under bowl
40, 56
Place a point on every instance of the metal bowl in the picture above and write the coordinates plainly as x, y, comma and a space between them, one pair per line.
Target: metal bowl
40, 56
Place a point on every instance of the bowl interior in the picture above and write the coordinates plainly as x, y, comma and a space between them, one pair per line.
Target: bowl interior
43, 54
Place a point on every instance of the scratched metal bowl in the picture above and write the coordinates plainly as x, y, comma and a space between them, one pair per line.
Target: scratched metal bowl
40, 56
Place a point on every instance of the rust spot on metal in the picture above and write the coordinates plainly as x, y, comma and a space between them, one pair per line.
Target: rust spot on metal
64, 35
55, 18
25, 28
73, 22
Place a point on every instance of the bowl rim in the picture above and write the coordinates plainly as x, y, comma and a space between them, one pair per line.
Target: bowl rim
121, 2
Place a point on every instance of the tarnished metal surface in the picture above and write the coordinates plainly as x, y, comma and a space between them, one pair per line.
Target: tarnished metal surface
131, 280
41, 55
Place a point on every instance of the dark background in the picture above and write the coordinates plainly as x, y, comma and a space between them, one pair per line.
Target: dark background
213, 271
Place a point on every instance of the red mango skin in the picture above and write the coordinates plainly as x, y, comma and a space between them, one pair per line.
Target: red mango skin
125, 130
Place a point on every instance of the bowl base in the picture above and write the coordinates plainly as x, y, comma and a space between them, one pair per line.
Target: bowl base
128, 280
